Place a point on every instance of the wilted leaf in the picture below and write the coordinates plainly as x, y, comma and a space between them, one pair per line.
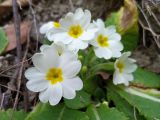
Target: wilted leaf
3, 40
104, 75
10, 32
126, 22
105, 113
11, 114
59, 112
7, 5
81, 100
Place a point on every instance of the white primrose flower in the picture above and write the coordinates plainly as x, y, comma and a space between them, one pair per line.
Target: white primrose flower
124, 67
75, 30
50, 27
106, 42
60, 47
54, 75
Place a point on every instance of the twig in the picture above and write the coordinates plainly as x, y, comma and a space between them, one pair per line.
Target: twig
25, 91
17, 29
1, 106
156, 36
19, 48
16, 65
35, 22
71, 5
21, 71
10, 88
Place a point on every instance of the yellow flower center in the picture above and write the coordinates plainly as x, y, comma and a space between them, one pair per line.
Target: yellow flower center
56, 24
75, 31
102, 40
120, 66
54, 75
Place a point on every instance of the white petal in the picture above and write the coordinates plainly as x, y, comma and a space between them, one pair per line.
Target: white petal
103, 53
78, 44
33, 74
88, 35
44, 29
115, 37
43, 47
85, 21
128, 77
115, 47
116, 53
67, 56
124, 56
37, 85
46, 60
68, 92
50, 34
132, 60
99, 23
74, 83
111, 30
78, 14
118, 78
62, 37
44, 95
71, 69
55, 94
129, 67
94, 43
67, 21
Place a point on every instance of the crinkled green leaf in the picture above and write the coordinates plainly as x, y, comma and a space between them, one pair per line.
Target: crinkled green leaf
59, 112
12, 115
146, 105
103, 112
81, 100
146, 78
126, 22
122, 105
3, 40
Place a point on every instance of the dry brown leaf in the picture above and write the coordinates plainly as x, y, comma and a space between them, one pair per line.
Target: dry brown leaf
104, 75
7, 5
10, 32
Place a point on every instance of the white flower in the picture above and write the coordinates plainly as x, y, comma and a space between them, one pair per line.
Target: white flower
124, 67
60, 47
54, 75
50, 28
75, 30
107, 42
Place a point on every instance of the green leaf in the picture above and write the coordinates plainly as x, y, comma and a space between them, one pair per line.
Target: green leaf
126, 22
59, 112
104, 113
122, 105
90, 84
99, 94
81, 100
3, 40
146, 105
109, 66
11, 114
146, 78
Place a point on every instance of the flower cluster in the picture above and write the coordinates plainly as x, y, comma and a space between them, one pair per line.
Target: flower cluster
57, 65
